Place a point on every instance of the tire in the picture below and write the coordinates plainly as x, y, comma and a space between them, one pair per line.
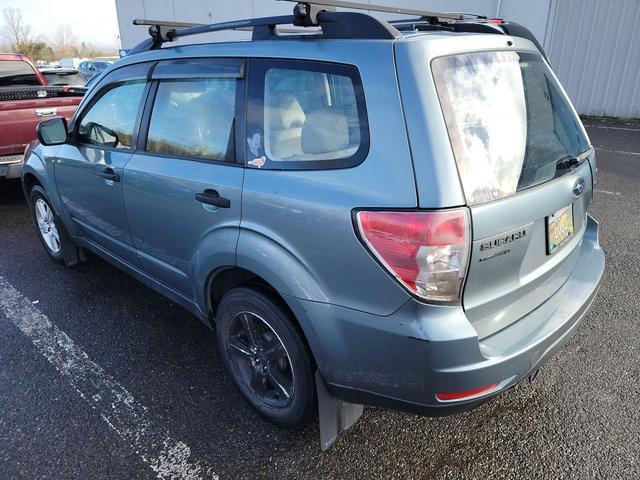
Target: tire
278, 382
48, 226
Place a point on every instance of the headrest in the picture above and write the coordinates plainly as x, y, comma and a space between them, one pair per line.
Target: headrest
325, 130
285, 112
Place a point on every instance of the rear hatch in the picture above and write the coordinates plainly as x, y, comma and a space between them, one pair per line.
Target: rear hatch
523, 160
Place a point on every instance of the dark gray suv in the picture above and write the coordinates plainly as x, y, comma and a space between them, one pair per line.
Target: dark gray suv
388, 214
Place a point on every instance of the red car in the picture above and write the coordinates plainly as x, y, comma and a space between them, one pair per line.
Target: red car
25, 100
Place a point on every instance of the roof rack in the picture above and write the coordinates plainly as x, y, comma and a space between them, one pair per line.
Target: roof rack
333, 24
314, 13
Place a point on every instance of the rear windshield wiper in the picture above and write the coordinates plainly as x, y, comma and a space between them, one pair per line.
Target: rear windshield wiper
567, 163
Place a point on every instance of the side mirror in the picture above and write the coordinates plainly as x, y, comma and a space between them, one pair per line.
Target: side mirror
53, 131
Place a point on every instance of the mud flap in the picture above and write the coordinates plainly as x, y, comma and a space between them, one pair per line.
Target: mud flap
72, 254
335, 416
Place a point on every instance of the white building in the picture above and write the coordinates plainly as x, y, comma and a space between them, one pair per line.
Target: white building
594, 45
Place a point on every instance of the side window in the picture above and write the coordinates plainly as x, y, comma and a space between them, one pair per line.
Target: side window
306, 115
194, 118
110, 121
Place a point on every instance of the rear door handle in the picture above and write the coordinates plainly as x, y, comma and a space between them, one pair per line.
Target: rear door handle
211, 197
108, 174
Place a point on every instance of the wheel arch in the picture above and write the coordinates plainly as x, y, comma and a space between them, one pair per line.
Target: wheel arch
227, 278
30, 180
35, 172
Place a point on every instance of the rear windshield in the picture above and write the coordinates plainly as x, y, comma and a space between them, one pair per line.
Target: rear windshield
64, 78
17, 72
509, 124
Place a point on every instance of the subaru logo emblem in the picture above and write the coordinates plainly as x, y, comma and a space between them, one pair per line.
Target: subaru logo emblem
578, 187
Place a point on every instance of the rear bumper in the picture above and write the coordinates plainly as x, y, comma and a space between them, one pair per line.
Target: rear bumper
402, 361
10, 166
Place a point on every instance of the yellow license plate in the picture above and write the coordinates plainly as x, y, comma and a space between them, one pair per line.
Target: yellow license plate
559, 228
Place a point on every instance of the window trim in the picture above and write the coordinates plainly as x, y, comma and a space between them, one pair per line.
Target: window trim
75, 138
256, 73
239, 123
199, 68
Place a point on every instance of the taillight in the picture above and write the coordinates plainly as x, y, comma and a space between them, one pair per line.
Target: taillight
426, 251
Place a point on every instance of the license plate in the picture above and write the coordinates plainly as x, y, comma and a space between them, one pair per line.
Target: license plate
559, 228
4, 170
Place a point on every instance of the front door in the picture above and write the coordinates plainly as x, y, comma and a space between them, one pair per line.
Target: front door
89, 169
183, 186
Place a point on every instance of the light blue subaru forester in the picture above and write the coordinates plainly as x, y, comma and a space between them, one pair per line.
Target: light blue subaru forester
367, 212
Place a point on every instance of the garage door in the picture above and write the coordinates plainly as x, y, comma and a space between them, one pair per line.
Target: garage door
594, 48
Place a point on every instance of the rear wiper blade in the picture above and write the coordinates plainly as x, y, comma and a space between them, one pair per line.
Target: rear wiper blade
567, 163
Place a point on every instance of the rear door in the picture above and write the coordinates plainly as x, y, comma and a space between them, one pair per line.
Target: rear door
522, 157
182, 187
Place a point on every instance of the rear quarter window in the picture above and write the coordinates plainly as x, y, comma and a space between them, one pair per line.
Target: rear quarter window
305, 115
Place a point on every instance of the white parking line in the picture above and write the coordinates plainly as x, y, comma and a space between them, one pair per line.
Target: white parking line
607, 192
621, 152
614, 128
167, 457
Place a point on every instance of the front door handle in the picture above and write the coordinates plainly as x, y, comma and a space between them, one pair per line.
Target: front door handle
211, 197
108, 174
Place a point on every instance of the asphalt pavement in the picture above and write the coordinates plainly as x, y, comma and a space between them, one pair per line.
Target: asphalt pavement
100, 377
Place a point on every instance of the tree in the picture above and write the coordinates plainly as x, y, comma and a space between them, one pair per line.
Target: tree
64, 41
15, 27
37, 50
87, 50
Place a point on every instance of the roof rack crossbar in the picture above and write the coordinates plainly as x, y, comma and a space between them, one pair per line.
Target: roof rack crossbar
162, 31
381, 8
234, 25
165, 23
170, 23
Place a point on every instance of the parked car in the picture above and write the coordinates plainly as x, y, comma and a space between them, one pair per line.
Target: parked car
63, 77
25, 99
377, 214
70, 62
90, 68
107, 59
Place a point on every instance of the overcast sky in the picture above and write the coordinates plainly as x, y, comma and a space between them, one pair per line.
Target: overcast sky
92, 21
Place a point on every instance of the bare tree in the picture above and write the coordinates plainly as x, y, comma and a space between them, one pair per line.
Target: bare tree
15, 27
65, 40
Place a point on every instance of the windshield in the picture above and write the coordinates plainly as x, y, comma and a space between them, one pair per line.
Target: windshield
508, 121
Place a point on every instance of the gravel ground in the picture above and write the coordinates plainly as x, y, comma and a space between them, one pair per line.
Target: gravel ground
577, 420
